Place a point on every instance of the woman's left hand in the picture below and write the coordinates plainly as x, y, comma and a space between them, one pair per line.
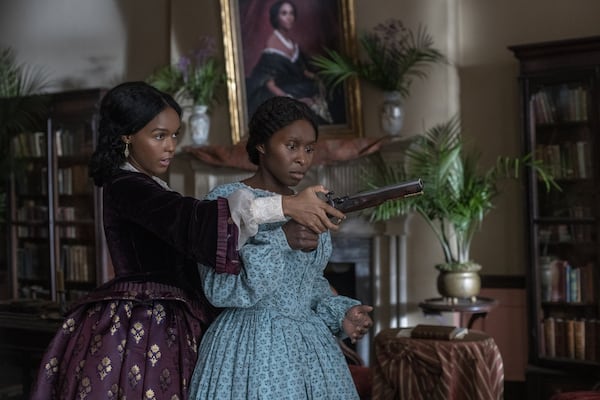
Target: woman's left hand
300, 237
357, 322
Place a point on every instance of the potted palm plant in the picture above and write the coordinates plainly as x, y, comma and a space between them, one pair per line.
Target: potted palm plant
393, 56
457, 195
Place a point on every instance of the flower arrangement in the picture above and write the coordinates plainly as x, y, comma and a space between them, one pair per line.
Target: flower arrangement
394, 56
197, 75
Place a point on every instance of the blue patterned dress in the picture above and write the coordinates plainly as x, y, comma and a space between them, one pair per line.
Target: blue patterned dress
275, 339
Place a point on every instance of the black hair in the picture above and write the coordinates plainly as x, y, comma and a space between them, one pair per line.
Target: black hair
124, 110
273, 115
274, 12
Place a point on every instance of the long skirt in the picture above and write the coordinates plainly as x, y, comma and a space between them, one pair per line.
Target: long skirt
131, 341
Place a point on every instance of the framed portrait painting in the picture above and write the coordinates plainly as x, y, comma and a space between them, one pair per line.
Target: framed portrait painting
269, 45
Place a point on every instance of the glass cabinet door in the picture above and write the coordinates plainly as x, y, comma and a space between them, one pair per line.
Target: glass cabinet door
565, 223
29, 216
74, 223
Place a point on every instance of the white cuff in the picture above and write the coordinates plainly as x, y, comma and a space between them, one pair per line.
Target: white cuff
248, 212
268, 209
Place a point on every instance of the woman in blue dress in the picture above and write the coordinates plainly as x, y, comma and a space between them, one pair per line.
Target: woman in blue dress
276, 338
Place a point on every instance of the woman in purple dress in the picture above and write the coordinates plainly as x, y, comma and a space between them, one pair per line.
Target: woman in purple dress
136, 336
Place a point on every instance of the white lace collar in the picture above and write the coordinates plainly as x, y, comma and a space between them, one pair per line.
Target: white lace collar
293, 58
128, 167
286, 42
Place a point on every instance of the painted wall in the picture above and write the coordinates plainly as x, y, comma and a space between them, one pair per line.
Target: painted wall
84, 44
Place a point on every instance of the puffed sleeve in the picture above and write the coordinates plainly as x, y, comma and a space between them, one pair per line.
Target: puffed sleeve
329, 307
257, 278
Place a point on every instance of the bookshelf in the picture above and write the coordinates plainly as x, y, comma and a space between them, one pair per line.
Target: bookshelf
56, 248
560, 91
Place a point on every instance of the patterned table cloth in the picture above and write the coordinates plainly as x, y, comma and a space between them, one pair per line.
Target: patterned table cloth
426, 369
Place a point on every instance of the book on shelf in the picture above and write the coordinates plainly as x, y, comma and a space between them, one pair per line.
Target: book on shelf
558, 291
560, 338
568, 160
544, 107
579, 339
588, 291
437, 332
549, 337
75, 261
591, 340
584, 159
572, 338
562, 282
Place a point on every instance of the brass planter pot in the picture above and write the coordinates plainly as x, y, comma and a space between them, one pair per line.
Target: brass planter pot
461, 284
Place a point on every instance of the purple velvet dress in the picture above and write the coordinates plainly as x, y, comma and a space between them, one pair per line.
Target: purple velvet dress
136, 337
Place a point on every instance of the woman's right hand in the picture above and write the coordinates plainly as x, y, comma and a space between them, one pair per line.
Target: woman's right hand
309, 210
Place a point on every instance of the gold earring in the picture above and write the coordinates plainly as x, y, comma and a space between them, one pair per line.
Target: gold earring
126, 151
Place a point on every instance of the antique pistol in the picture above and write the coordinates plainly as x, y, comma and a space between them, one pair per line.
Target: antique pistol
375, 197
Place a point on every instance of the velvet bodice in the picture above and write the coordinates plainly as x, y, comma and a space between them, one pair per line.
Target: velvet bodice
158, 232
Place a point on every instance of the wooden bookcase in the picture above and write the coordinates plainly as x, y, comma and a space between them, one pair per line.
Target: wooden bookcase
57, 249
560, 92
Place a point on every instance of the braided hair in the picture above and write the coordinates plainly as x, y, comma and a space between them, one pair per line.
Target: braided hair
273, 115
124, 110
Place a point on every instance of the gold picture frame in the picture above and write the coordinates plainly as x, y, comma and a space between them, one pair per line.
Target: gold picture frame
347, 121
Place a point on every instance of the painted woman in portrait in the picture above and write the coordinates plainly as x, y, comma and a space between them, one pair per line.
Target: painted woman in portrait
283, 69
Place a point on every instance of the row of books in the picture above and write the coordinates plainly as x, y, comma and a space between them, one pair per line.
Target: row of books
31, 179
560, 103
76, 262
32, 261
66, 213
31, 211
575, 339
67, 143
34, 292
561, 282
74, 232
566, 233
41, 232
70, 180
29, 144
73, 180
569, 160
32, 232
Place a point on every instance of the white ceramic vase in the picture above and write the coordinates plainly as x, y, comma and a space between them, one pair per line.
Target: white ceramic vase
392, 114
199, 125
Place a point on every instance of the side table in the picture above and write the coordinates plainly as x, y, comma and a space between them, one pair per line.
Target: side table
427, 369
477, 308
